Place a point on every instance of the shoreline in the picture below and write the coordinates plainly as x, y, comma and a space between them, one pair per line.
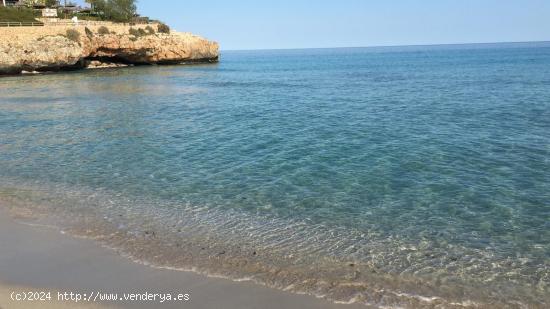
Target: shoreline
42, 258
114, 66
149, 245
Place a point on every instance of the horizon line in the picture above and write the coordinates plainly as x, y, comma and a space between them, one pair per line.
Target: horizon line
397, 45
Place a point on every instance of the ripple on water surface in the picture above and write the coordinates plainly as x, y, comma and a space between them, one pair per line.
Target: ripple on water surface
391, 177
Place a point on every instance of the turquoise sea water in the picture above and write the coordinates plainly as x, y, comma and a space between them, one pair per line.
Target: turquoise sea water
405, 176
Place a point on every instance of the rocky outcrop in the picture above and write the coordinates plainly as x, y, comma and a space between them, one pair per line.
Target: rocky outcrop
80, 47
48, 53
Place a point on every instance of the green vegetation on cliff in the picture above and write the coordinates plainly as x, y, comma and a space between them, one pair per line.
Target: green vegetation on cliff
20, 15
114, 10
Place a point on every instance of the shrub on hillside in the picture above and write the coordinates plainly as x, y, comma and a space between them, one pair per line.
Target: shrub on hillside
103, 30
134, 32
163, 28
137, 32
73, 35
150, 30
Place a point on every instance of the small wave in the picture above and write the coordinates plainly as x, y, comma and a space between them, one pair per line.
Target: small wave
293, 256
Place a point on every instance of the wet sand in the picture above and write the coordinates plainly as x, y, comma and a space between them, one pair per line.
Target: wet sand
38, 258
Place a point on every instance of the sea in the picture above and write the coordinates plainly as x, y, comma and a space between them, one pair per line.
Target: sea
393, 177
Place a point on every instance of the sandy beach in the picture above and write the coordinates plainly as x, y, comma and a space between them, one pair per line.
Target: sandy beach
41, 259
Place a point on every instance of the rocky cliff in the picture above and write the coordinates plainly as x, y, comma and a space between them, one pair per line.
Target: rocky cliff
54, 48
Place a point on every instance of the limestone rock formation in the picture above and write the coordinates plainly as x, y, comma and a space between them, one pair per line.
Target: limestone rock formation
48, 49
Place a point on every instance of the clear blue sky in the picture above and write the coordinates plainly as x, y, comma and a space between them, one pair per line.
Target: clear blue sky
265, 24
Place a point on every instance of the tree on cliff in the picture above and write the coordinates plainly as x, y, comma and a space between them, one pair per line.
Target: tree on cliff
51, 3
47, 3
31, 3
115, 10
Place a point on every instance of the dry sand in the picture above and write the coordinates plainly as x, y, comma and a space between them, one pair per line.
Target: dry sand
37, 258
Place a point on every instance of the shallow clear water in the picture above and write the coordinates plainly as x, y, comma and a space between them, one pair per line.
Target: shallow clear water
388, 176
